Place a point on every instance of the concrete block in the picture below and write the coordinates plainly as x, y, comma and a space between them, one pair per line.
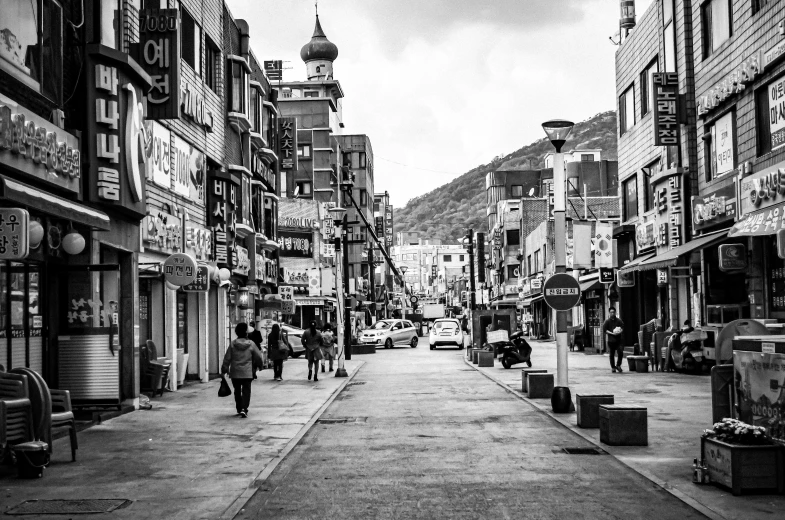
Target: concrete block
622, 425
524, 374
485, 358
588, 409
540, 386
475, 355
638, 363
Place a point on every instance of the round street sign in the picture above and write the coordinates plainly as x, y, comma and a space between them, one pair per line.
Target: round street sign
414, 299
562, 292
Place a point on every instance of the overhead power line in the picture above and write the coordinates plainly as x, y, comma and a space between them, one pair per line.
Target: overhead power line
416, 167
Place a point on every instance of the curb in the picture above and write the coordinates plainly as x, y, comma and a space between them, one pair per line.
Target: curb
698, 506
239, 503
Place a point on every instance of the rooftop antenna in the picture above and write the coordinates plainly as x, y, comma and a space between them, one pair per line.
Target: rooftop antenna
316, 4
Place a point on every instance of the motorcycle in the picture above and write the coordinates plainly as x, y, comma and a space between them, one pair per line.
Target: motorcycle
516, 350
685, 350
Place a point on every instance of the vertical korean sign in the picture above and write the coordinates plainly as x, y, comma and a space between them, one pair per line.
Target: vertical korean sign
158, 52
14, 224
666, 109
222, 197
288, 138
777, 113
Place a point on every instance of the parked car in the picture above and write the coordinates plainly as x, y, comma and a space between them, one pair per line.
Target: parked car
295, 335
390, 333
446, 332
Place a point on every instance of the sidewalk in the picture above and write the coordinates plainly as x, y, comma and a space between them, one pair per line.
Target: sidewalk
679, 409
190, 456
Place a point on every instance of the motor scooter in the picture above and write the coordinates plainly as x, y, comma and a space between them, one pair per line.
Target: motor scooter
516, 350
686, 351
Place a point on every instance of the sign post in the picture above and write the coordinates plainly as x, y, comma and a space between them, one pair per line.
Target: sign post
562, 292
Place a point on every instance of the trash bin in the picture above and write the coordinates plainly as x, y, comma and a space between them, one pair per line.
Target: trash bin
31, 458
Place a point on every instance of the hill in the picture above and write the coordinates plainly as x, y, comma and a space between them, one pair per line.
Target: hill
449, 210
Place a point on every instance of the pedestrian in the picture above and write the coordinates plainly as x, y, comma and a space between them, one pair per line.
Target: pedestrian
277, 350
613, 328
312, 341
255, 335
328, 345
241, 362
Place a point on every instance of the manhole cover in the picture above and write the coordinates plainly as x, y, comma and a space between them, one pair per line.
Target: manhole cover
343, 420
645, 391
67, 507
355, 383
582, 451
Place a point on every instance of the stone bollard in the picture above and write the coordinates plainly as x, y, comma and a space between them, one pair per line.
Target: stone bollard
485, 358
623, 425
525, 372
588, 409
540, 386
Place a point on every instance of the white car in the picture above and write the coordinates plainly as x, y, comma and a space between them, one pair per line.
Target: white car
294, 335
390, 333
446, 332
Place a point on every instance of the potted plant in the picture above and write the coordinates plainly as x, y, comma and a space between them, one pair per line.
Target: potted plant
742, 457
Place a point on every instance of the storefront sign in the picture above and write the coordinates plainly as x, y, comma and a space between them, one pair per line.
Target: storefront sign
243, 265
645, 235
33, 146
625, 278
295, 276
379, 226
536, 284
668, 220
286, 292
662, 277
158, 154
192, 103
271, 270
287, 134
274, 69
162, 232
158, 53
607, 274
188, 171
222, 197
774, 54
180, 269
759, 391
762, 222
293, 244
762, 189
777, 113
733, 257
732, 84
202, 281
14, 229
198, 241
296, 222
115, 144
722, 146
666, 109
714, 208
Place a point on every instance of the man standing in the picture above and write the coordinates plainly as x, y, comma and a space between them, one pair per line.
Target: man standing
613, 328
312, 341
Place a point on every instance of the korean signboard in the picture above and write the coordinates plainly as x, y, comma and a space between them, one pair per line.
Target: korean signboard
33, 146
162, 232
730, 85
379, 226
198, 241
180, 269
732, 257
777, 113
188, 171
714, 208
625, 278
193, 105
287, 132
759, 383
158, 53
14, 229
295, 276
666, 109
762, 222
202, 281
274, 70
762, 189
242, 261
294, 244
668, 220
158, 154
722, 145
222, 197
645, 236
607, 274
115, 144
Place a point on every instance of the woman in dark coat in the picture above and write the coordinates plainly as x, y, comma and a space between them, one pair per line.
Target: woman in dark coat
277, 350
241, 360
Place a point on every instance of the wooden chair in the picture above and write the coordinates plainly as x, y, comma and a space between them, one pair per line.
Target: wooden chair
16, 424
63, 417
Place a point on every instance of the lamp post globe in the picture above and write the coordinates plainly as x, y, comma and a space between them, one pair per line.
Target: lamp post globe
557, 131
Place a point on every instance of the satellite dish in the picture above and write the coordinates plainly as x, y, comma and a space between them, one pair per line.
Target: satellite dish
723, 343
531, 192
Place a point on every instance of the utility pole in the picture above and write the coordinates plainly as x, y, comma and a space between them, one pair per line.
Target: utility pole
347, 317
472, 298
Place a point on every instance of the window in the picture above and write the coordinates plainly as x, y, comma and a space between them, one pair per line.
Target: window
512, 271
363, 160
757, 5
211, 57
461, 258
529, 265
304, 150
647, 87
630, 195
716, 27
587, 157
363, 198
303, 188
516, 191
254, 110
448, 258
648, 192
36, 59
537, 261
110, 23
627, 109
667, 11
238, 91
721, 148
513, 237
191, 42
311, 93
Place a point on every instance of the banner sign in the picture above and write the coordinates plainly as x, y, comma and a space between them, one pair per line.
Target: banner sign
162, 232
714, 208
759, 384
14, 229
287, 135
722, 145
777, 113
666, 109
762, 189
188, 171
295, 276
293, 244
158, 154
202, 281
730, 85
158, 53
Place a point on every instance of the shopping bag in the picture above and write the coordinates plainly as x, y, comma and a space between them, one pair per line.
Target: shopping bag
224, 391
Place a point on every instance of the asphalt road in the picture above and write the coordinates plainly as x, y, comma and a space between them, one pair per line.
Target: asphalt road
418, 434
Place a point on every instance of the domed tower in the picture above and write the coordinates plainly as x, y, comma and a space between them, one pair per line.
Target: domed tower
319, 55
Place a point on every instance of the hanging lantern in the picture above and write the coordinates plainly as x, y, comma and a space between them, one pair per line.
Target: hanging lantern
35, 234
224, 274
73, 243
171, 286
242, 297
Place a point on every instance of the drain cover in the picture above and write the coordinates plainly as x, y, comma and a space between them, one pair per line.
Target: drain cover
67, 507
357, 383
343, 420
645, 391
583, 451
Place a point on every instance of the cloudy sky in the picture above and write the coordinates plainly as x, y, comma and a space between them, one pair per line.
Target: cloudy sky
442, 86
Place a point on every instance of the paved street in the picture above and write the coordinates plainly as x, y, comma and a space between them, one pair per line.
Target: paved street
419, 434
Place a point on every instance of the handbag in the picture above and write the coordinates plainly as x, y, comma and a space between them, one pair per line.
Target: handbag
224, 390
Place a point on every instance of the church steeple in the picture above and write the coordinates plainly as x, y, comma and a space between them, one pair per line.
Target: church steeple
319, 54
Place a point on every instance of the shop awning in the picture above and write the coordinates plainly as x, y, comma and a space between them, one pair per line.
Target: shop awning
591, 285
306, 301
670, 258
528, 301
635, 264
52, 204
505, 301
760, 223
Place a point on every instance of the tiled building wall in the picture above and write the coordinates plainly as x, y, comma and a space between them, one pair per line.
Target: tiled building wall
231, 45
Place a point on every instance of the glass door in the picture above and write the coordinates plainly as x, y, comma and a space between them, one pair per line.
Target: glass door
21, 321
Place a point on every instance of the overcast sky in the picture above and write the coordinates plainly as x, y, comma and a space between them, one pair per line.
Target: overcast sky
442, 86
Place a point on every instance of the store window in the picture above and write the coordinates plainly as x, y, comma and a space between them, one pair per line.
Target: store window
516, 191
721, 148
191, 41
647, 87
513, 237
304, 151
238, 86
303, 188
21, 316
716, 24
254, 110
212, 55
770, 116
34, 59
627, 110
630, 197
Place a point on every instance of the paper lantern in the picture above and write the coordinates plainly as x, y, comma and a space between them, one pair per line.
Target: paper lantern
224, 274
73, 243
35, 234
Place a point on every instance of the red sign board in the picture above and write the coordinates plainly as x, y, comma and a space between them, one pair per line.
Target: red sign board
562, 292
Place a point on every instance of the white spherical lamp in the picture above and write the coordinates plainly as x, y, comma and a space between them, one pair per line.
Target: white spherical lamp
35, 234
73, 243
224, 274
171, 286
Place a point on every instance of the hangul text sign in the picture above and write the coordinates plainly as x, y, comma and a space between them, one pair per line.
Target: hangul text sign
666, 109
202, 281
14, 224
180, 269
160, 57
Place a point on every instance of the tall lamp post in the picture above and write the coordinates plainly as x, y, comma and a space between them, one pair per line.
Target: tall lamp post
339, 217
469, 241
557, 131
403, 270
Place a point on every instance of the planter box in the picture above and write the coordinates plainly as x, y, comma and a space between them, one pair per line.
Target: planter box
744, 468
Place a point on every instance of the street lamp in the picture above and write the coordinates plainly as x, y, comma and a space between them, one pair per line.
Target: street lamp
469, 241
339, 216
403, 270
557, 131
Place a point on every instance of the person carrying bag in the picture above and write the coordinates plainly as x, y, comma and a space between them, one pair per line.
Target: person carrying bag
241, 361
277, 350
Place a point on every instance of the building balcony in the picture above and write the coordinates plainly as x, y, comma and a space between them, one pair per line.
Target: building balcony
257, 140
267, 155
239, 122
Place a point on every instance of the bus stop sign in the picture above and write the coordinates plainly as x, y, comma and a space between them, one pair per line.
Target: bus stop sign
562, 292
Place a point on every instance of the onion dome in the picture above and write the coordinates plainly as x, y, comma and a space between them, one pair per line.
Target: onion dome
319, 48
